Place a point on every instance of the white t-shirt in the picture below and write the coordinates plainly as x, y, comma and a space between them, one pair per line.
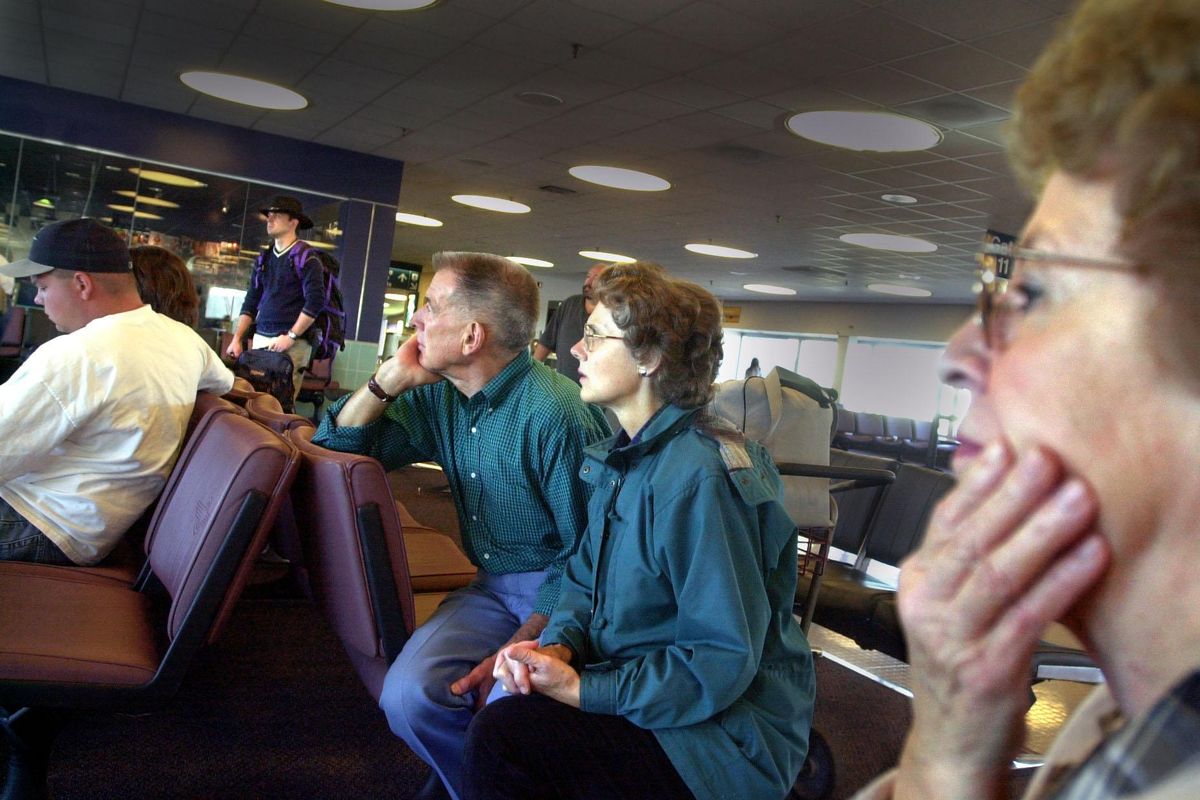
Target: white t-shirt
92, 422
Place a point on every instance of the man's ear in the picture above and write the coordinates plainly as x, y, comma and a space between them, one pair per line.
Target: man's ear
473, 338
84, 285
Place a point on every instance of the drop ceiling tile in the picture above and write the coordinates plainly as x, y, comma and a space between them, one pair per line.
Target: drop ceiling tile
995, 162
741, 77
575, 89
84, 20
15, 65
647, 105
949, 171
711, 25
816, 97
611, 68
999, 94
63, 45
302, 38
460, 24
385, 34
357, 54
895, 178
805, 59
268, 61
967, 21
16, 11
959, 68
881, 36
224, 16
571, 22
952, 111
660, 50
789, 15
641, 12
330, 18
752, 112
691, 93
160, 33
883, 86
352, 140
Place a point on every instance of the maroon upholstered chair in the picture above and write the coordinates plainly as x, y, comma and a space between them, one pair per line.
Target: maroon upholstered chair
363, 559
266, 410
70, 640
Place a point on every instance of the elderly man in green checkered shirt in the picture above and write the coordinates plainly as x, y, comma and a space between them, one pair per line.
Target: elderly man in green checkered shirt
509, 433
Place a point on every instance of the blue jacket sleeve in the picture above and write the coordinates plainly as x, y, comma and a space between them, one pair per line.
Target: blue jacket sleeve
709, 540
569, 623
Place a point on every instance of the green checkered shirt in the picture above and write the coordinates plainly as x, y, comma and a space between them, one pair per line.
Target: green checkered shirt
511, 454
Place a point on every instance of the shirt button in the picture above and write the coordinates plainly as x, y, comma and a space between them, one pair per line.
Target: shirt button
612, 483
586, 470
472, 474
473, 429
487, 555
474, 518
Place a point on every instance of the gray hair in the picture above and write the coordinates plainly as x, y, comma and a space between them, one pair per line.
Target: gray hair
497, 292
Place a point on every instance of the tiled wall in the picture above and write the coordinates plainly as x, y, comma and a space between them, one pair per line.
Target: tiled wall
355, 364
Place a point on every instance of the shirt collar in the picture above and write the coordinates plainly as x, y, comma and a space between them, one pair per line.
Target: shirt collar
495, 390
659, 429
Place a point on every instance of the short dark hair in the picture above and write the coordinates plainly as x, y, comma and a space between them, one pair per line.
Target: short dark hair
164, 282
498, 292
675, 320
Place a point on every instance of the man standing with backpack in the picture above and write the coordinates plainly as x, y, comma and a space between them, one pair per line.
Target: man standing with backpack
286, 292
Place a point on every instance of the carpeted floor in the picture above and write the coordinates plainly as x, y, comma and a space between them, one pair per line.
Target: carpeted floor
274, 710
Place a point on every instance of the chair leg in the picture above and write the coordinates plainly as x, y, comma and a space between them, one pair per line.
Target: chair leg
30, 734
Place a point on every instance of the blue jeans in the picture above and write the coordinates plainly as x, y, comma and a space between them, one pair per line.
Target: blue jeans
471, 624
21, 541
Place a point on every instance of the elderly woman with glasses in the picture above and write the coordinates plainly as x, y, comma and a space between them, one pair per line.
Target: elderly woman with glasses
672, 667
1079, 498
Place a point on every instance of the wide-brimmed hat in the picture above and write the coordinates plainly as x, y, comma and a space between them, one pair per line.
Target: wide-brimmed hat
290, 206
79, 245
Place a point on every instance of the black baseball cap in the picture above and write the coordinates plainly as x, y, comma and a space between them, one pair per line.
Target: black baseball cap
79, 245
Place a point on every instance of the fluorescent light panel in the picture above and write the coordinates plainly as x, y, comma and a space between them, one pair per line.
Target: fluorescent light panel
168, 178
607, 258
719, 251
875, 131
246, 91
142, 199
417, 219
888, 241
488, 203
531, 262
620, 178
766, 288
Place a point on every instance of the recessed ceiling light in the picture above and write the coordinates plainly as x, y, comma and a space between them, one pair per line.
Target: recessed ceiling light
620, 178
864, 130
718, 250
385, 5
129, 210
247, 91
544, 99
888, 241
394, 296
607, 258
44, 202
169, 178
320, 245
902, 199
531, 262
142, 199
766, 288
417, 219
903, 291
491, 203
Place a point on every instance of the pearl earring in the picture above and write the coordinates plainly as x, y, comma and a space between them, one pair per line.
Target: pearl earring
642, 371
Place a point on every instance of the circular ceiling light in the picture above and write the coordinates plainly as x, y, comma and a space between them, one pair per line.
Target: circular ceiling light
719, 251
491, 203
247, 91
877, 131
143, 200
900, 199
531, 262
543, 99
317, 243
417, 219
888, 241
766, 288
385, 5
620, 178
169, 178
394, 296
607, 258
902, 291
129, 210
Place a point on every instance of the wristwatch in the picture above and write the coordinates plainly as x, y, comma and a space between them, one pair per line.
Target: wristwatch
292, 335
374, 388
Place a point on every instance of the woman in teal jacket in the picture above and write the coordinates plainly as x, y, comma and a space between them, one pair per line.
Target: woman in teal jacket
672, 666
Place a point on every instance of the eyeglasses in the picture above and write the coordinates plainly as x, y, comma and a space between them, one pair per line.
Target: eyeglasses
590, 337
1000, 311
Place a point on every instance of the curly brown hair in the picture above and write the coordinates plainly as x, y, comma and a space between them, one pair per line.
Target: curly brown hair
677, 321
164, 282
1116, 96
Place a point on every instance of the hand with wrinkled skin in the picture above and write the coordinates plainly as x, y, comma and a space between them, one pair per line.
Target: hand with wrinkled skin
524, 668
1009, 551
483, 677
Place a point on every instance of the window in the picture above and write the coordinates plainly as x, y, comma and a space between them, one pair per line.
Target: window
892, 378
810, 356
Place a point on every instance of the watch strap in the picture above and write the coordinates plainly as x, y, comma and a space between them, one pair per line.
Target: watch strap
374, 388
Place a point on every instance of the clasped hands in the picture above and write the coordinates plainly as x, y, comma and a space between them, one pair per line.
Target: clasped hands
524, 667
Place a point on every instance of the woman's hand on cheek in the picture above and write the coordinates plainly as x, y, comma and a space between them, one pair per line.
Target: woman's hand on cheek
1006, 553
